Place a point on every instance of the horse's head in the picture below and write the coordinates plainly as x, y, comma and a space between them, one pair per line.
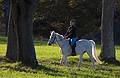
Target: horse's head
52, 38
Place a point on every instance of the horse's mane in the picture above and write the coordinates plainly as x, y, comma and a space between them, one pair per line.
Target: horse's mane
60, 35
53, 32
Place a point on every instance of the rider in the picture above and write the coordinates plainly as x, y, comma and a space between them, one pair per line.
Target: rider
71, 33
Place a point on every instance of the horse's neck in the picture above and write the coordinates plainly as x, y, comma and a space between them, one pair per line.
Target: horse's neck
60, 37
60, 40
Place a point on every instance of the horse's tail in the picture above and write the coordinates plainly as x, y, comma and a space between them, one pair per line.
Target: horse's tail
94, 52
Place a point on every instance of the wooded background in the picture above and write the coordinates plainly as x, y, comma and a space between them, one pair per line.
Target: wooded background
55, 15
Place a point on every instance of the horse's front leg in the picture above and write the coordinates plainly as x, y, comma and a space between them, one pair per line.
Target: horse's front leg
65, 60
64, 57
61, 61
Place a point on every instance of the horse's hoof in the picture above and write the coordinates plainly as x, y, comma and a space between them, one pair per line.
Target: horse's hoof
61, 64
78, 65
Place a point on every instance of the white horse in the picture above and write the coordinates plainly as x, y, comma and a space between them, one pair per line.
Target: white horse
82, 46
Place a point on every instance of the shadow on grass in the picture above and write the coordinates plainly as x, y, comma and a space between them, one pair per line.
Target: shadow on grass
5, 64
113, 61
87, 62
72, 62
3, 59
50, 70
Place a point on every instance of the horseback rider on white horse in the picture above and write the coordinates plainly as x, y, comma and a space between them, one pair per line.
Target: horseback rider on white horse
82, 46
71, 33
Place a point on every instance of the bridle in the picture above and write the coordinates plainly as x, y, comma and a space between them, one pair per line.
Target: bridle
53, 40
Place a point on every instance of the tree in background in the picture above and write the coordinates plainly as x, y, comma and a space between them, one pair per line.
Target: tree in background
1, 13
107, 40
20, 44
6, 9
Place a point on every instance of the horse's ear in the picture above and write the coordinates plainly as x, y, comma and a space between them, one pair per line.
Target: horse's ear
52, 31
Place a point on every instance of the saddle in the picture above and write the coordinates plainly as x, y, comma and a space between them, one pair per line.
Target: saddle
72, 43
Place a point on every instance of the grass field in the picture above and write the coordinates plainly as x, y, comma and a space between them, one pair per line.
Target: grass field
48, 58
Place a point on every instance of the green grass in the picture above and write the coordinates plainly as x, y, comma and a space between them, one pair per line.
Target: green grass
48, 58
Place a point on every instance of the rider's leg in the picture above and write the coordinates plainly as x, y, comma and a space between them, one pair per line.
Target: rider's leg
73, 50
72, 45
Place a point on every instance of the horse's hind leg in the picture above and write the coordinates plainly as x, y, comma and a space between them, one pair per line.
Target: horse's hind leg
91, 59
80, 60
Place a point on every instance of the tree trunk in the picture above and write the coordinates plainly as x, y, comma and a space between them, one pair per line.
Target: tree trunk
12, 47
6, 5
22, 19
107, 41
